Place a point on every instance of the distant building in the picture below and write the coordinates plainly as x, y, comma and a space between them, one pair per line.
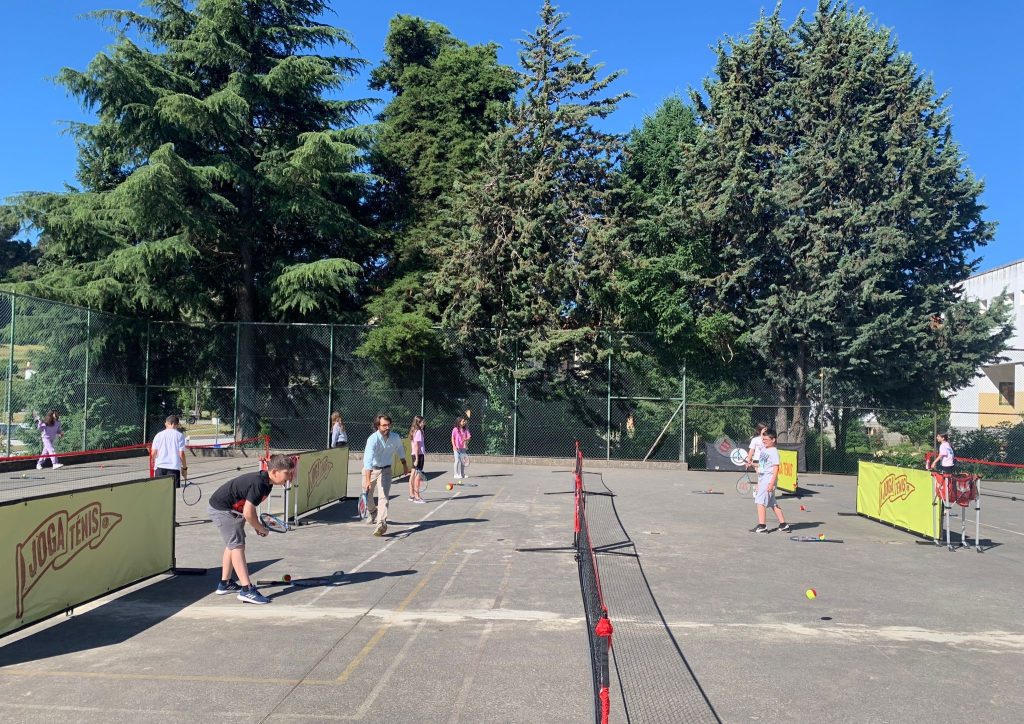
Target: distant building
997, 395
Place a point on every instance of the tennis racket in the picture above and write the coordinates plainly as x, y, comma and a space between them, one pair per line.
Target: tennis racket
746, 484
305, 582
273, 523
363, 513
191, 493
812, 539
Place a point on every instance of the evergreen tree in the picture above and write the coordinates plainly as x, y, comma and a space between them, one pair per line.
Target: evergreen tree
16, 256
532, 265
219, 180
842, 214
448, 96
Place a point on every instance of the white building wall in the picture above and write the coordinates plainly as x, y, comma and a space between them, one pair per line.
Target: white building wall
979, 405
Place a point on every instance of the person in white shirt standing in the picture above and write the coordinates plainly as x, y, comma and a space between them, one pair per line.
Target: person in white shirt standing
381, 448
756, 446
167, 453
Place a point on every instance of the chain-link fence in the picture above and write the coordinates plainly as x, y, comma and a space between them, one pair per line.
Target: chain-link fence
113, 380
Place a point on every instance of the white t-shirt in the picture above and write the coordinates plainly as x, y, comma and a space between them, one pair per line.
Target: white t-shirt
769, 459
946, 457
756, 447
167, 447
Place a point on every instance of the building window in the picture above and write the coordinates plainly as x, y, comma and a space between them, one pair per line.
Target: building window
1006, 393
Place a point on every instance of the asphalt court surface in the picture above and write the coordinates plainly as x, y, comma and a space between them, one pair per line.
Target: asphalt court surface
444, 620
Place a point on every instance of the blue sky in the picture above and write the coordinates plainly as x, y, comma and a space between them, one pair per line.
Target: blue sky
664, 47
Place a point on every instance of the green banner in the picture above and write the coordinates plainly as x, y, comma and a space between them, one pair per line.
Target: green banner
902, 497
62, 550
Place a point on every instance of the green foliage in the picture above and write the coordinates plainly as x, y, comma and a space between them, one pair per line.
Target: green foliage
532, 264
841, 213
220, 155
16, 256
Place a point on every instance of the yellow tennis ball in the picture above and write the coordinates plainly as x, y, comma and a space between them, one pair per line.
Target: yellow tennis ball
811, 593
821, 536
450, 486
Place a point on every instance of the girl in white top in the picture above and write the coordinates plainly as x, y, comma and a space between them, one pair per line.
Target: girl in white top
339, 438
419, 452
946, 459
756, 447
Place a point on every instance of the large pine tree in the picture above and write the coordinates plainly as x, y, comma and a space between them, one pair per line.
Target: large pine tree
533, 262
219, 180
842, 215
448, 96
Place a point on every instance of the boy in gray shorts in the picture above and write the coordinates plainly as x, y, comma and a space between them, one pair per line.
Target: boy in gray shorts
231, 507
766, 482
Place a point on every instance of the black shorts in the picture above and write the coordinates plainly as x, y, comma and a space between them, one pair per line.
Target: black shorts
417, 462
176, 474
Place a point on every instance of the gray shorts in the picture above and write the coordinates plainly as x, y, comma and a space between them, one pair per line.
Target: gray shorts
763, 497
231, 526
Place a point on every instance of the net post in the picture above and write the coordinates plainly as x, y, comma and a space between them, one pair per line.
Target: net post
604, 630
10, 373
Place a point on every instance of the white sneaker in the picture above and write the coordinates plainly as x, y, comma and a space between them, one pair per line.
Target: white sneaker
58, 465
39, 466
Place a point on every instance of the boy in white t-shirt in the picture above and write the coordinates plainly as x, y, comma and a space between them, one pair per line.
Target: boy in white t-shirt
167, 453
766, 482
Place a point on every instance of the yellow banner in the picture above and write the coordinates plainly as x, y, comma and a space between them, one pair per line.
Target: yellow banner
62, 550
902, 497
787, 471
320, 478
396, 465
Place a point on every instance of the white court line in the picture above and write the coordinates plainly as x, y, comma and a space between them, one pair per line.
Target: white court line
385, 547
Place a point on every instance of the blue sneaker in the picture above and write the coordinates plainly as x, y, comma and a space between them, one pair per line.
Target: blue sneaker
251, 595
229, 587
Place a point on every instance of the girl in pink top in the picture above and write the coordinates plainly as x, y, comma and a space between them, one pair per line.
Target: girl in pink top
460, 440
419, 452
49, 430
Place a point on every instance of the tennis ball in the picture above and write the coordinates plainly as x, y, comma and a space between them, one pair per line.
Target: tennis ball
450, 486
802, 508
287, 577
821, 536
811, 594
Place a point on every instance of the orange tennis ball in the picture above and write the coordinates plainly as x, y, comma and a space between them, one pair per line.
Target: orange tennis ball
287, 577
811, 594
450, 486
802, 508
821, 536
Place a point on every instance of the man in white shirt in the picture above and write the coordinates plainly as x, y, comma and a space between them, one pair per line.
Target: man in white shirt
381, 448
167, 453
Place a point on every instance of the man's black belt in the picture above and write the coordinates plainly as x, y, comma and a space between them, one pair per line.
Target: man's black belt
385, 467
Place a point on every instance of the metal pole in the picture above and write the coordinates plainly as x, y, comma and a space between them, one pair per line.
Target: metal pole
10, 377
423, 384
515, 403
821, 427
238, 354
85, 391
682, 430
330, 385
608, 408
145, 400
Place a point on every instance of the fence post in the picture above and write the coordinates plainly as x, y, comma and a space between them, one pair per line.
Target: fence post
515, 402
145, 398
238, 434
682, 429
608, 407
330, 384
821, 427
10, 377
85, 389
423, 384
